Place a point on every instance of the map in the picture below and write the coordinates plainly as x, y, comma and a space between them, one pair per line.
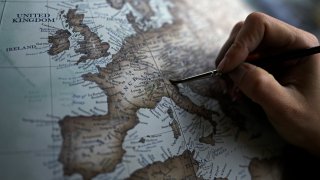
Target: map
85, 93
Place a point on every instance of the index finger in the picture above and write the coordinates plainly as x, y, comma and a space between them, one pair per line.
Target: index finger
260, 29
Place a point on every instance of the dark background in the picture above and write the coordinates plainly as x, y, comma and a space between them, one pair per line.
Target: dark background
304, 14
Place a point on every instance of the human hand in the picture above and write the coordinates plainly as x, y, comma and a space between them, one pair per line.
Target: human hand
290, 97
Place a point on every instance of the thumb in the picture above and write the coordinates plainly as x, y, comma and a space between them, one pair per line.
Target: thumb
260, 86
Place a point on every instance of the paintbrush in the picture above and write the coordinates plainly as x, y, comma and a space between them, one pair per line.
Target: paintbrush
258, 61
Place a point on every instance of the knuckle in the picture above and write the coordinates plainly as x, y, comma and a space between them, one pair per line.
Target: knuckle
295, 112
234, 48
238, 45
259, 81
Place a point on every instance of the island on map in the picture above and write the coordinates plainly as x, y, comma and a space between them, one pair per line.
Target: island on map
60, 42
208, 139
175, 128
174, 124
92, 48
177, 167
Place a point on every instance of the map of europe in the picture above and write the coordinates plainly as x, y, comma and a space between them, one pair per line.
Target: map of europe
85, 93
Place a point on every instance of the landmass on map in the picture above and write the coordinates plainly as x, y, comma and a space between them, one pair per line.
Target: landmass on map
92, 47
177, 167
208, 139
174, 124
142, 140
175, 129
142, 6
133, 80
60, 42
137, 77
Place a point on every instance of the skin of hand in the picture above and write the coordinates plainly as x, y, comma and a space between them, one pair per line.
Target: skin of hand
290, 100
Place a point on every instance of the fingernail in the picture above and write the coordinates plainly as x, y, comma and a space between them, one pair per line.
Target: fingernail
237, 74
